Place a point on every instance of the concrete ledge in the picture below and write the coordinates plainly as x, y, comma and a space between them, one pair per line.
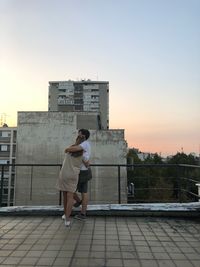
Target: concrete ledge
162, 209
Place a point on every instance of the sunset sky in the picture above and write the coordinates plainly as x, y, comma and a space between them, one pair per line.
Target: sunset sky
148, 50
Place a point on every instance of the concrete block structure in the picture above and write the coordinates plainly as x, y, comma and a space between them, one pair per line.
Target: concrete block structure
42, 138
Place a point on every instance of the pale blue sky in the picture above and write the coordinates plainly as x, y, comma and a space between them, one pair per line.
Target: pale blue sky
147, 49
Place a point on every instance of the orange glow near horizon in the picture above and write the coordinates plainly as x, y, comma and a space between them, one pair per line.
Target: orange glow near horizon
146, 139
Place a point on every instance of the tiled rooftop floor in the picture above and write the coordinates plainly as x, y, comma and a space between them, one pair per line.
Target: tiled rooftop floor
99, 242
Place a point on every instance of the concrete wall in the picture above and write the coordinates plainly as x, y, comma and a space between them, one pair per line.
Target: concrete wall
42, 138
87, 120
104, 104
108, 147
53, 97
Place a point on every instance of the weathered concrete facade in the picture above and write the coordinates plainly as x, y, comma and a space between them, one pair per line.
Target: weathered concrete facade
42, 138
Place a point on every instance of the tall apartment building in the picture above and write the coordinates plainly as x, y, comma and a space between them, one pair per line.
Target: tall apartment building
84, 96
8, 137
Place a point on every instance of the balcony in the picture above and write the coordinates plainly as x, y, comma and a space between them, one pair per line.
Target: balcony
5, 140
4, 154
114, 234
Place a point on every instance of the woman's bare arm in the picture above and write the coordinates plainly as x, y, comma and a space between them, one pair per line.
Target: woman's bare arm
86, 163
73, 149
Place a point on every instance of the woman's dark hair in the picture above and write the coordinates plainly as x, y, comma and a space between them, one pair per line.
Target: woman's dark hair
85, 132
79, 140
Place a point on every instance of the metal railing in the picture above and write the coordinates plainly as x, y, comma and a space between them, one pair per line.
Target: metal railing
182, 177
183, 185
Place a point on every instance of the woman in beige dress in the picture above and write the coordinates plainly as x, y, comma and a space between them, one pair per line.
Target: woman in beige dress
68, 178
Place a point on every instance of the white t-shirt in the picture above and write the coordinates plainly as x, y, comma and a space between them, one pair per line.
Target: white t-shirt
86, 153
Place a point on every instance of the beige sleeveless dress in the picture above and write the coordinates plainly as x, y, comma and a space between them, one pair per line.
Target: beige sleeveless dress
69, 173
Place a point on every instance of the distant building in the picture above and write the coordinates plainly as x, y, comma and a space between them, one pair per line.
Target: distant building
81, 96
144, 155
8, 137
141, 155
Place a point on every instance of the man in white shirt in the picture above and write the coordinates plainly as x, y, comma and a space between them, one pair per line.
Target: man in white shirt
82, 186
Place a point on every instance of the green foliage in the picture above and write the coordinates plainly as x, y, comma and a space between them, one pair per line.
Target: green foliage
182, 158
132, 157
155, 159
155, 183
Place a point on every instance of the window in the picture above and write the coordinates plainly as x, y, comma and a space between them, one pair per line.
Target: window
95, 97
5, 134
62, 90
5, 191
2, 161
4, 148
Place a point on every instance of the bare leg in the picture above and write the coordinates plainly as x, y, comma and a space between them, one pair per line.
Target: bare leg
76, 197
69, 206
84, 203
65, 201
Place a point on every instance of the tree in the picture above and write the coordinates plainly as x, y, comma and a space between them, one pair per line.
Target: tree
133, 156
182, 158
185, 173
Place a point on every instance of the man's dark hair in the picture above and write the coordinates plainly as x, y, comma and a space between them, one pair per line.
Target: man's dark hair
85, 132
